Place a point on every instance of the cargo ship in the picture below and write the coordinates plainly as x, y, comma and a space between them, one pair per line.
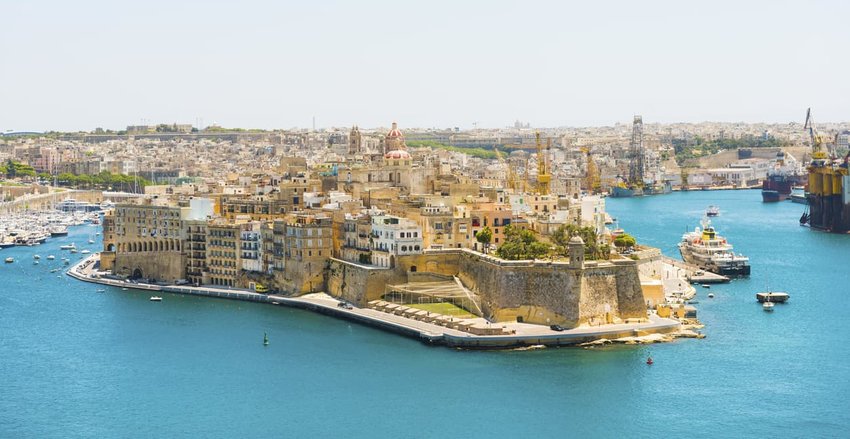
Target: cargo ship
776, 187
711, 252
781, 180
828, 193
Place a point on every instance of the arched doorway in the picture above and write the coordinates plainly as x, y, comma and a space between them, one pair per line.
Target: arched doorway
137, 274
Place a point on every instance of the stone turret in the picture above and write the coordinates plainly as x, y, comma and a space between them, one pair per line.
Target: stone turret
576, 247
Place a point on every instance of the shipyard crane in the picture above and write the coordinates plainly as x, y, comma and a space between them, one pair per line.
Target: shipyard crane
543, 177
819, 155
591, 179
636, 164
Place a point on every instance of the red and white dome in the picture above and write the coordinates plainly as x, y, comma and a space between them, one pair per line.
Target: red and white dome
394, 132
398, 154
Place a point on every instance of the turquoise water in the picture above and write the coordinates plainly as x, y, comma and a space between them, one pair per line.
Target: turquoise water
77, 363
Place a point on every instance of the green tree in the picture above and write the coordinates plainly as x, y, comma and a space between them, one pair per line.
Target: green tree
593, 250
521, 244
11, 170
484, 236
624, 241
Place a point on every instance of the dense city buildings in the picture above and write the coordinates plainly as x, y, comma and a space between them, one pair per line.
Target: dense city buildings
285, 210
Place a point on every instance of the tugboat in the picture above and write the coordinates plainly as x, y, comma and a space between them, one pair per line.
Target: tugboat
710, 251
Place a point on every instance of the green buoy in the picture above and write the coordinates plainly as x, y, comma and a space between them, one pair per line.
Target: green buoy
265, 339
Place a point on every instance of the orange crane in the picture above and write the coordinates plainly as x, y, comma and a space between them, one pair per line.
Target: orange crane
543, 177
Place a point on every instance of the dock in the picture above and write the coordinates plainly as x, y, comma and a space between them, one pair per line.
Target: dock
691, 270
446, 333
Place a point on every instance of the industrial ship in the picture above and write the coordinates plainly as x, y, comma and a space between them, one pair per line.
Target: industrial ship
780, 181
828, 193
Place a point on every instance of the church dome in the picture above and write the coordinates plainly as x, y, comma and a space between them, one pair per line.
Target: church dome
398, 154
394, 132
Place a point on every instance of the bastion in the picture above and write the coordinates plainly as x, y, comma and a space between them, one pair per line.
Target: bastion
564, 293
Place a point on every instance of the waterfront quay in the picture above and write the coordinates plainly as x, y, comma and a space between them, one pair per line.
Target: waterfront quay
509, 335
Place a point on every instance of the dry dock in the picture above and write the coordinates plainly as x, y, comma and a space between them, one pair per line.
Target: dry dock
513, 334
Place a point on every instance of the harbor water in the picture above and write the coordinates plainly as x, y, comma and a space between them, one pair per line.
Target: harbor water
76, 362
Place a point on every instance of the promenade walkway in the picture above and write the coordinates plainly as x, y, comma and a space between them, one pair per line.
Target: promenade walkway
514, 334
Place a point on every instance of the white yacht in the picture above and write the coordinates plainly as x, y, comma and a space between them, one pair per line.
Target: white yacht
710, 251
70, 246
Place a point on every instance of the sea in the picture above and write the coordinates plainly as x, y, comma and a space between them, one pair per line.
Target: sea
76, 362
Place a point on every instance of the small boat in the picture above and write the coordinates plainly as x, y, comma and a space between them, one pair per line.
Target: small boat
51, 257
649, 361
712, 211
9, 260
67, 262
154, 298
711, 295
767, 306
101, 290
36, 257
705, 285
54, 270
85, 252
73, 250
265, 339
70, 246
35, 262
773, 297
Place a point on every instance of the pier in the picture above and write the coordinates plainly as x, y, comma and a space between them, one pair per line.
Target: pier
705, 278
513, 334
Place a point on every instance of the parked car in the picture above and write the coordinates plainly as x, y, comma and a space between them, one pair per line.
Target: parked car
558, 328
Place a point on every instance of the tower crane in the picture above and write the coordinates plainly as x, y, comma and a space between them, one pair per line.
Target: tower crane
819, 155
591, 179
543, 177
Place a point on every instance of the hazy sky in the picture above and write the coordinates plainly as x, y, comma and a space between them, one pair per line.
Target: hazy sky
68, 65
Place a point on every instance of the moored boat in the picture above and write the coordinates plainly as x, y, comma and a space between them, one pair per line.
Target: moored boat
711, 252
9, 260
773, 297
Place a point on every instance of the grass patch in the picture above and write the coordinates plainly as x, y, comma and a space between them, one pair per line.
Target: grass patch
444, 308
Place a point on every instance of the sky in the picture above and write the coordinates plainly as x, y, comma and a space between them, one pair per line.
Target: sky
78, 65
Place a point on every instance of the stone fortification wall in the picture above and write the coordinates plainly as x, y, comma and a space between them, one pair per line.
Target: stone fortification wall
166, 266
358, 283
535, 291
